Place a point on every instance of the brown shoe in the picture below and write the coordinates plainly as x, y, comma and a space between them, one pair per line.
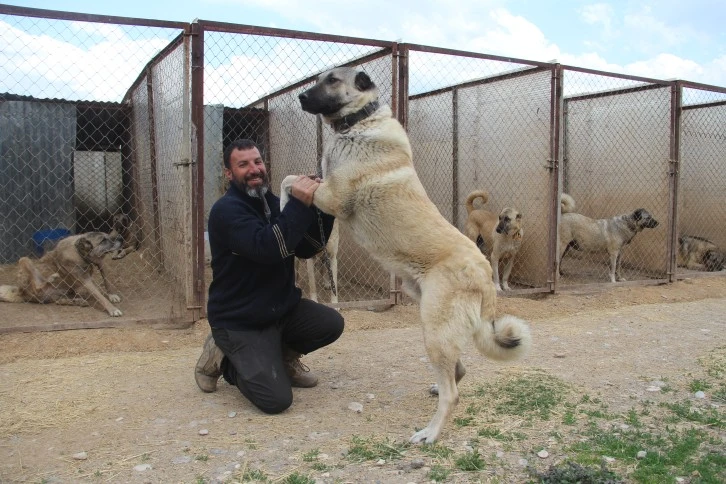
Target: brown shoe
298, 373
209, 366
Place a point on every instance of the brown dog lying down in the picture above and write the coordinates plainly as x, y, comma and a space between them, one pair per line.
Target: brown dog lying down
64, 275
700, 254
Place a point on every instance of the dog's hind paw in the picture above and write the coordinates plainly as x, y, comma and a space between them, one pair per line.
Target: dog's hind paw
115, 312
426, 436
114, 298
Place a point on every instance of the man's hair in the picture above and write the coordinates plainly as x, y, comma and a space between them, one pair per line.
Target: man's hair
240, 144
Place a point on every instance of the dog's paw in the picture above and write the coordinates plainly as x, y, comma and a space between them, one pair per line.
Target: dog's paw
505, 287
114, 298
285, 189
434, 389
426, 436
115, 312
621, 279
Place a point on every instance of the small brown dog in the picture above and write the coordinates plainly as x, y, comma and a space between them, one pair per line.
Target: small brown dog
65, 274
498, 237
129, 231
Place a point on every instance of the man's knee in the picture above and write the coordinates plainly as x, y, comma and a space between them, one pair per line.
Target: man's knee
274, 403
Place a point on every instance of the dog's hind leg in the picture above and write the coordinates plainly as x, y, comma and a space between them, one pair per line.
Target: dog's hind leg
615, 267
312, 287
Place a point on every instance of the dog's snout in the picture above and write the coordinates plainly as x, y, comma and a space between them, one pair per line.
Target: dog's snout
303, 96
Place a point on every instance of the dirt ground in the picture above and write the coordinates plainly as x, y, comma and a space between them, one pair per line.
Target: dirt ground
121, 405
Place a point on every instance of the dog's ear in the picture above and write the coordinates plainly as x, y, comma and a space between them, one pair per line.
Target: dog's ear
639, 214
84, 247
363, 82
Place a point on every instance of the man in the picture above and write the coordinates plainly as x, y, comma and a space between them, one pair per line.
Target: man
260, 323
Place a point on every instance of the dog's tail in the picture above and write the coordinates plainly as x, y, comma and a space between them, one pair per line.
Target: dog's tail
10, 294
506, 338
473, 196
567, 203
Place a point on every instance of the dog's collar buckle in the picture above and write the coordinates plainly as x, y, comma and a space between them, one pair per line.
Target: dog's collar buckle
344, 124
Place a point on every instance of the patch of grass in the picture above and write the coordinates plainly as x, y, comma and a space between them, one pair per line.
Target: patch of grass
471, 461
707, 416
668, 454
573, 473
436, 450
463, 421
371, 449
532, 395
699, 386
311, 456
320, 467
632, 419
438, 473
202, 457
297, 478
495, 434
569, 418
254, 475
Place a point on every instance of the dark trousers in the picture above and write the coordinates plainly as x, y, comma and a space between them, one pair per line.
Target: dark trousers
254, 357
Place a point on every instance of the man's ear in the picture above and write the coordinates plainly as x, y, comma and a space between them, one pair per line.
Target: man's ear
228, 173
363, 82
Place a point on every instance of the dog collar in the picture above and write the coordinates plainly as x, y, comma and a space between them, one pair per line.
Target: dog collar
344, 124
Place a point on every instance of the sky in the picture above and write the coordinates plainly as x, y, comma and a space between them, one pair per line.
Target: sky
663, 39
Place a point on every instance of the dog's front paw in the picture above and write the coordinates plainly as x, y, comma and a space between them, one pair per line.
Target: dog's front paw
285, 189
114, 298
505, 287
115, 312
621, 279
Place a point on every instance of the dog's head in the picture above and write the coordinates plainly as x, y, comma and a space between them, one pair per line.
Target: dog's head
339, 92
644, 220
510, 222
92, 246
121, 222
714, 260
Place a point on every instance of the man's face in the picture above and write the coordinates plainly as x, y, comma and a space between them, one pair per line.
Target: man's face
247, 171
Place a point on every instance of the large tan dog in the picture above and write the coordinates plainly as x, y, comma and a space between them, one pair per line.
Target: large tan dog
700, 254
64, 275
371, 186
602, 235
501, 235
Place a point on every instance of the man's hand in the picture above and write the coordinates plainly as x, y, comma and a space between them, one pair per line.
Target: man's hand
303, 189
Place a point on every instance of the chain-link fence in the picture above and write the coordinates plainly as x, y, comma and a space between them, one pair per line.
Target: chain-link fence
108, 116
94, 128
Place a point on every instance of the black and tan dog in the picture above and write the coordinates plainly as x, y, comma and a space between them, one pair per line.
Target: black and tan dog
129, 231
500, 236
602, 235
700, 254
64, 275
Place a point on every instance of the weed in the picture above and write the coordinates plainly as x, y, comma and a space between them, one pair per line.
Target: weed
254, 475
320, 467
436, 451
362, 450
296, 478
202, 458
438, 473
471, 461
462, 421
699, 386
311, 456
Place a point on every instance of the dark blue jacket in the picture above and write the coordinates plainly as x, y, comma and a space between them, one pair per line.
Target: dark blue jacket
253, 260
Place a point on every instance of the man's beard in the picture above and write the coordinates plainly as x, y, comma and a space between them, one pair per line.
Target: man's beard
258, 191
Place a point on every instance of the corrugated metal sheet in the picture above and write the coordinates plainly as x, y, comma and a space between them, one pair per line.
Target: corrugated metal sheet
36, 172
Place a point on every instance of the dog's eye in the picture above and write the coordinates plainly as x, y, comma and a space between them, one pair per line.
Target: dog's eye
332, 80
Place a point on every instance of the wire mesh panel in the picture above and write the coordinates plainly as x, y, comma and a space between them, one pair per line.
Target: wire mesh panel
256, 79
480, 124
71, 164
701, 208
617, 135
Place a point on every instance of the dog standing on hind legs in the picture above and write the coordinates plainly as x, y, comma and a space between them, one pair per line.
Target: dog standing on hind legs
501, 235
370, 184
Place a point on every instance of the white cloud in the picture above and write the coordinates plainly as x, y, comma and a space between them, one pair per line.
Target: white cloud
598, 13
